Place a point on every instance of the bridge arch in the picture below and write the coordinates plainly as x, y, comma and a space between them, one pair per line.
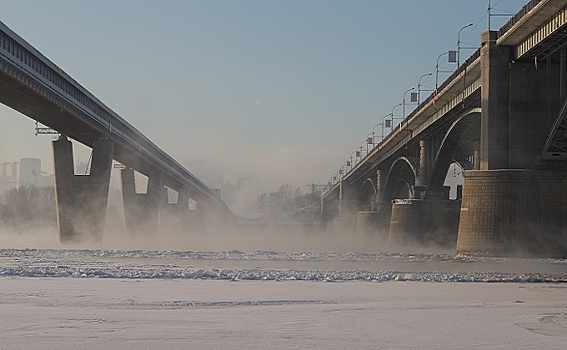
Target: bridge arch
401, 177
366, 195
446, 154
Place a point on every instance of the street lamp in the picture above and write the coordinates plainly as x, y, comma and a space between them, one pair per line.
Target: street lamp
358, 153
352, 162
452, 58
419, 86
459, 44
392, 113
386, 123
379, 124
361, 148
404, 103
369, 140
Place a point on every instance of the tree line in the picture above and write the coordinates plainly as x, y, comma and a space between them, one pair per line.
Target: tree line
28, 207
286, 203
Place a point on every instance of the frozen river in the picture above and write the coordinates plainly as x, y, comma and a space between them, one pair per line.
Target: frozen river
167, 299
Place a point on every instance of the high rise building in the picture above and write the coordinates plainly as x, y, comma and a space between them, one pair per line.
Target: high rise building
29, 171
8, 176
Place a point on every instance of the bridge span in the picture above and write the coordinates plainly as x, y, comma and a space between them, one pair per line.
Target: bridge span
34, 86
501, 118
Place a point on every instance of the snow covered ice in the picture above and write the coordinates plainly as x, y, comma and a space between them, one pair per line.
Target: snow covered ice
136, 299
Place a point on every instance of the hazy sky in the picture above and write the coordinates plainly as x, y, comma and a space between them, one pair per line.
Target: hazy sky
280, 90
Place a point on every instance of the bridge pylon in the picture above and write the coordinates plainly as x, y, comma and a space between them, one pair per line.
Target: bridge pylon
81, 199
514, 204
142, 210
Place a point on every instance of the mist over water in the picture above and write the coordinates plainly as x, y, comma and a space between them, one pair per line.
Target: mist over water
260, 252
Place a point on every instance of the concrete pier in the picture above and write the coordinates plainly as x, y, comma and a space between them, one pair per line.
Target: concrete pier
347, 220
142, 210
514, 212
177, 217
374, 222
424, 222
81, 199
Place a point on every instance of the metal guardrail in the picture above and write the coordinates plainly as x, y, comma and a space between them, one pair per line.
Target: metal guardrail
27, 60
518, 16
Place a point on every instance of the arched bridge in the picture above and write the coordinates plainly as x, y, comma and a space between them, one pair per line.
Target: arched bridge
33, 85
500, 117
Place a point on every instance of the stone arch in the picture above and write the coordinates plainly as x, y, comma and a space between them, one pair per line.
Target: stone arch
366, 195
401, 177
445, 155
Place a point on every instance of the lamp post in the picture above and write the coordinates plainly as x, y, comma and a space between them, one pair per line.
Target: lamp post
452, 58
386, 123
369, 140
419, 86
404, 103
380, 124
459, 44
392, 113
353, 162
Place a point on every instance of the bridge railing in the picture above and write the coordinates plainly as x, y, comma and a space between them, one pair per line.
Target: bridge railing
29, 60
518, 16
447, 81
432, 96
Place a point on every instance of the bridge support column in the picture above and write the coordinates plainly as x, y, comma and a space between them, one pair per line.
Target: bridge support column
374, 222
495, 93
81, 199
176, 217
514, 212
141, 210
207, 211
519, 101
426, 222
347, 209
476, 155
422, 178
377, 221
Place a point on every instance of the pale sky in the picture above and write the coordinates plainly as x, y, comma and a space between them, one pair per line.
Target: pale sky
283, 91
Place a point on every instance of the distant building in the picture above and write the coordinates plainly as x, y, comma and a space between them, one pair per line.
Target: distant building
8, 176
28, 172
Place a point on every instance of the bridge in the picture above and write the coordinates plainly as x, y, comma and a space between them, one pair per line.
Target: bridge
501, 118
34, 86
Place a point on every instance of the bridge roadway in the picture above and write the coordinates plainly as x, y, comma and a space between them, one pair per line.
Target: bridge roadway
33, 85
533, 41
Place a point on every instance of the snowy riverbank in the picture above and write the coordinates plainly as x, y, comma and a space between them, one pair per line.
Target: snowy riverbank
95, 313
165, 299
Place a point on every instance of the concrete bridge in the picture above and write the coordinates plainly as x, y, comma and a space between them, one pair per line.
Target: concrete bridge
33, 85
501, 117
